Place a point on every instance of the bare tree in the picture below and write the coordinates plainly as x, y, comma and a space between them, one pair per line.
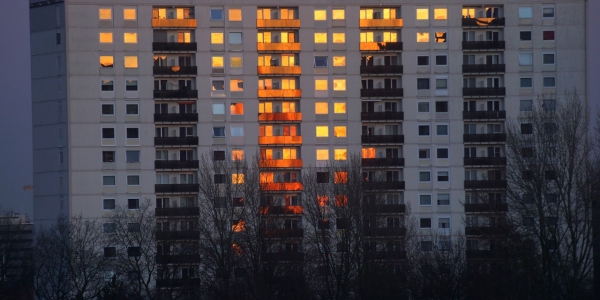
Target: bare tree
16, 256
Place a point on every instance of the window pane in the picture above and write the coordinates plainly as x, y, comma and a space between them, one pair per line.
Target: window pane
423, 129
131, 109
440, 14
322, 131
131, 85
440, 36
235, 62
320, 61
422, 60
442, 129
424, 176
549, 81
321, 108
339, 108
441, 84
235, 14
132, 156
548, 35
236, 85
108, 180
320, 84
525, 59
339, 84
339, 37
105, 13
237, 131
548, 58
218, 108
133, 179
216, 38
109, 204
339, 131
525, 12
106, 37
424, 199
235, 38
339, 61
338, 14
133, 133
106, 61
340, 154
129, 14
441, 60
131, 62
320, 37
320, 15
130, 37
423, 106
422, 14
526, 82
216, 14
422, 37
322, 154
526, 105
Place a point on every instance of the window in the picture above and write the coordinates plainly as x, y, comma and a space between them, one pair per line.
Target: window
216, 14
108, 156
441, 84
237, 130
424, 199
441, 129
129, 14
105, 13
108, 109
321, 108
548, 12
425, 176
340, 177
444, 223
339, 107
422, 37
441, 60
131, 109
237, 178
322, 131
237, 154
320, 61
107, 61
320, 84
526, 128
423, 130
423, 60
133, 133
133, 156
130, 62
425, 223
422, 83
235, 38
339, 84
422, 13
107, 85
548, 35
339, 37
320, 37
549, 81
441, 106
423, 106
443, 199
218, 155
526, 105
217, 61
339, 61
339, 131
235, 62
110, 252
108, 180
525, 59
340, 154
235, 14
548, 58
236, 108
442, 153
108, 204
442, 176
216, 38
131, 85
526, 82
322, 177
426, 245
133, 252
133, 203
338, 14
440, 13
133, 179
440, 36
108, 133
219, 131
322, 154
320, 15
133, 227
218, 108
130, 37
525, 35
236, 85
218, 85
424, 153
525, 12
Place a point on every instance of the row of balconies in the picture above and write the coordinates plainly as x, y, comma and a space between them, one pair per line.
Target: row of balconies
484, 184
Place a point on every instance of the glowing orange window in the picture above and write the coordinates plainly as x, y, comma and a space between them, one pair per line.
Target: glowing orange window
340, 177
238, 226
341, 200
323, 200
368, 152
266, 177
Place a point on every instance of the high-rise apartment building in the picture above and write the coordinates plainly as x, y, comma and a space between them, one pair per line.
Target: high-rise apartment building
128, 94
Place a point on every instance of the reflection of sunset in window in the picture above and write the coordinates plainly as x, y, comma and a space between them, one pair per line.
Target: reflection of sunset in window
340, 177
105, 13
338, 14
339, 108
266, 177
106, 61
339, 84
237, 154
106, 37
321, 108
339, 37
368, 152
341, 200
323, 200
320, 37
216, 38
422, 13
237, 249
339, 131
340, 154
217, 61
237, 178
266, 154
339, 61
322, 154
289, 153
440, 14
235, 14
130, 37
129, 14
422, 37
238, 226
322, 131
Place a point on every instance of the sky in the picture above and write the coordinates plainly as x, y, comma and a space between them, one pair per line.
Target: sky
16, 155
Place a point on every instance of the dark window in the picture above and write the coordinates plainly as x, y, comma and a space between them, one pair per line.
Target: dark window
548, 58
527, 198
527, 152
550, 175
108, 204
219, 155
131, 85
133, 227
525, 35
219, 178
526, 82
131, 109
426, 245
551, 198
548, 35
441, 60
133, 251
526, 128
423, 129
238, 202
58, 38
108, 109
320, 61
323, 224
133, 156
133, 203
107, 85
424, 153
425, 223
341, 223
527, 175
549, 82
108, 133
441, 106
322, 177
528, 221
133, 133
108, 156
342, 247
423, 60
442, 153
422, 83
109, 227
110, 252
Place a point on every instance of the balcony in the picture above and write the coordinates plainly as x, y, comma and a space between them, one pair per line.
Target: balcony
382, 139
283, 47
164, 46
280, 163
280, 116
280, 140
176, 141
484, 68
485, 184
484, 92
382, 116
178, 259
174, 23
484, 115
283, 256
281, 210
175, 118
399, 231
279, 70
280, 186
486, 207
382, 93
486, 254
275, 23
482, 22
192, 283
483, 45
381, 70
176, 164
177, 212
383, 162
385, 208
178, 235
484, 230
175, 70
175, 188
385, 255
282, 233
380, 23
383, 185
175, 94
485, 161
270, 94
381, 46
484, 138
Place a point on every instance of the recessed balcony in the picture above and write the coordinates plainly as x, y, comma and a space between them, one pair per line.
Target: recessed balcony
279, 70
385, 208
382, 116
175, 94
483, 22
280, 116
178, 235
385, 255
383, 185
486, 254
380, 23
173, 47
484, 138
382, 70
177, 212
283, 256
399, 231
284, 47
176, 141
175, 188
281, 210
280, 163
485, 184
278, 23
485, 161
484, 92
484, 230
280, 139
280, 186
484, 115
483, 45
178, 259
383, 162
180, 283
484, 68
176, 164
174, 23
286, 94
381, 46
175, 70
176, 118
382, 93
486, 207
282, 233
383, 139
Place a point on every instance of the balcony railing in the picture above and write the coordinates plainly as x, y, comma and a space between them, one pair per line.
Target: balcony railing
383, 139
283, 233
484, 138
486, 207
175, 70
473, 115
485, 91
482, 22
176, 141
280, 163
381, 46
483, 230
380, 116
281, 210
175, 188
176, 94
185, 117
165, 46
383, 162
483, 45
280, 186
178, 259
279, 70
283, 256
484, 68
180, 283
173, 23
385, 255
384, 208
177, 212
485, 184
176, 164
178, 235
400, 231
279, 93
382, 93
381, 69
281, 23
383, 185
485, 161
280, 116
379, 23
278, 46
280, 139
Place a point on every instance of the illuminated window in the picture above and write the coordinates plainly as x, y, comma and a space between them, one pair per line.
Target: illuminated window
320, 84
106, 61
320, 15
339, 61
106, 37
237, 178
440, 14
236, 108
340, 177
468, 12
339, 84
339, 37
368, 152
339, 108
440, 37
289, 153
266, 177
235, 14
322, 154
235, 61
320, 37
288, 107
237, 249
323, 200
130, 37
129, 14
422, 37
216, 38
322, 131
339, 131
131, 62
217, 61
340, 154
236, 85
105, 13
366, 37
390, 36
422, 13
341, 200
264, 37
338, 14
321, 108
238, 226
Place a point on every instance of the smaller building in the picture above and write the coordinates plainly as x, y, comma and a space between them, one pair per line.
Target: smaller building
16, 256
